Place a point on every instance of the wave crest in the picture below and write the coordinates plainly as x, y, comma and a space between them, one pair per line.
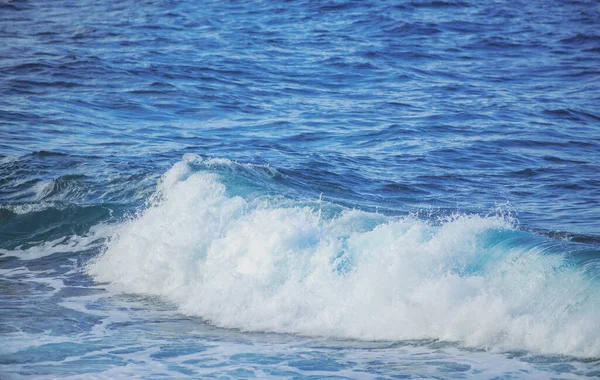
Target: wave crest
273, 265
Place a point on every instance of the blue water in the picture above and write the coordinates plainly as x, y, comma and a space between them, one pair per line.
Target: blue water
335, 189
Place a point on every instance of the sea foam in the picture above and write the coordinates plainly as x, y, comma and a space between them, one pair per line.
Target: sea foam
279, 266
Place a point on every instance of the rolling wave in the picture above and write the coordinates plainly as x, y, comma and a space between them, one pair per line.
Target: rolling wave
266, 263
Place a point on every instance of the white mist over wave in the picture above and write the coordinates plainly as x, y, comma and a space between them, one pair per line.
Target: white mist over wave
269, 265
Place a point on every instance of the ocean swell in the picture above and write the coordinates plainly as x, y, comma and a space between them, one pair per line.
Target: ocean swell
271, 264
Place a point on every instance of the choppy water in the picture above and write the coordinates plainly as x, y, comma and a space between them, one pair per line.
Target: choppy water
348, 189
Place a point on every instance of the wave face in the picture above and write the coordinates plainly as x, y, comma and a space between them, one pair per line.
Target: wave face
265, 263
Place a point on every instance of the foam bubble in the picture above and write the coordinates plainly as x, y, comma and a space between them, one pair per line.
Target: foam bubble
279, 267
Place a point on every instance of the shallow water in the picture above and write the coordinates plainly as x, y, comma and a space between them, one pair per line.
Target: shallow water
299, 189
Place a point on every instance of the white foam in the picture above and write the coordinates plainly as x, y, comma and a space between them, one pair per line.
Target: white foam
64, 244
271, 266
26, 208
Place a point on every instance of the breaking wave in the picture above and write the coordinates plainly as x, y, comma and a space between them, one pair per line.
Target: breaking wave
271, 264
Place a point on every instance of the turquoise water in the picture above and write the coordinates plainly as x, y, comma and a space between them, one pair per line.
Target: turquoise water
299, 189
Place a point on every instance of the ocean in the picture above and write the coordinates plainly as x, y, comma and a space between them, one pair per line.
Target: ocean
301, 190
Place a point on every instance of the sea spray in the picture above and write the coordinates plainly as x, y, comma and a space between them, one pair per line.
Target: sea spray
281, 266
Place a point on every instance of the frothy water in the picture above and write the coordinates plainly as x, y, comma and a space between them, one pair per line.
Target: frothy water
214, 278
273, 265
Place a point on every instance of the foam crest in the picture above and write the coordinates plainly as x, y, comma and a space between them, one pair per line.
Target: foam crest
26, 208
272, 265
73, 243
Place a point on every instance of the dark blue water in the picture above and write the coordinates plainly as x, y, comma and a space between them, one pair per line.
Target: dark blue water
342, 189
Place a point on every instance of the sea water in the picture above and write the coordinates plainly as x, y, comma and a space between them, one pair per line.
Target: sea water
333, 189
